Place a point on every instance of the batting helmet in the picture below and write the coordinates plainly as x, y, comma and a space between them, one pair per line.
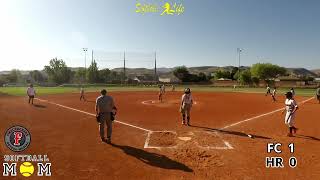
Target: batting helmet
289, 95
103, 92
187, 91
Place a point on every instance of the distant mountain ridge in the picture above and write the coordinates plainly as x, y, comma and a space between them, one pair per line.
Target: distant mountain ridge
297, 72
316, 71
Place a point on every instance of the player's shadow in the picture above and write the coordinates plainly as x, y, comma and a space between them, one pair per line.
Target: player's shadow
307, 137
39, 106
153, 159
236, 133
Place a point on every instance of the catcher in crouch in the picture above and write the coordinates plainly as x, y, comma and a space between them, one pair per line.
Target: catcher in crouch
186, 104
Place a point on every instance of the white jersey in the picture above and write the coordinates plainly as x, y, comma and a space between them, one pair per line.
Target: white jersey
31, 91
274, 92
290, 105
318, 92
293, 93
186, 99
163, 89
81, 91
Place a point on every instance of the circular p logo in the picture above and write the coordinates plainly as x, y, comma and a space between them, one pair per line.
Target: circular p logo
17, 138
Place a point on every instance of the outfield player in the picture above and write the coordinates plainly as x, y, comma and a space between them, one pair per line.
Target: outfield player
291, 108
173, 87
104, 109
31, 93
186, 104
293, 92
268, 90
318, 94
82, 94
163, 88
160, 93
273, 94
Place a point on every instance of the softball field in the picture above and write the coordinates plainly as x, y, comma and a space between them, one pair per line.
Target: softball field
227, 138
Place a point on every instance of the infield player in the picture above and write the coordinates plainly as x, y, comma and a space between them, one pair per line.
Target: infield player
82, 94
268, 90
31, 92
186, 104
318, 94
104, 112
273, 94
173, 88
291, 108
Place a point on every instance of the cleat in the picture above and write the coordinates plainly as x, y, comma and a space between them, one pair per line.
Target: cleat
289, 135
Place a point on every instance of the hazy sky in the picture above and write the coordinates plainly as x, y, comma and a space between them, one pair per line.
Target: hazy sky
284, 32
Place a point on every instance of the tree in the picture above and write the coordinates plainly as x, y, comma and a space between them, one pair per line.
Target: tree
266, 71
14, 76
222, 74
234, 72
245, 77
255, 80
104, 75
182, 73
115, 77
3, 79
202, 77
93, 73
80, 75
58, 71
37, 76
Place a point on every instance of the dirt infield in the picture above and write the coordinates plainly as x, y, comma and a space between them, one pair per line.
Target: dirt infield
149, 141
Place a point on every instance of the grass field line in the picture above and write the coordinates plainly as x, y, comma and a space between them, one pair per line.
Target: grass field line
91, 114
259, 116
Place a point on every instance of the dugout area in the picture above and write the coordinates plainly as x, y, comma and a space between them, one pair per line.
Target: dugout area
150, 142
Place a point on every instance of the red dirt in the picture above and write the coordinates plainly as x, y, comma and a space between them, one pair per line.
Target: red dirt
72, 142
163, 139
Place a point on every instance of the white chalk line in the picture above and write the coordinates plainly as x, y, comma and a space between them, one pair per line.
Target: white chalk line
91, 114
149, 132
226, 143
147, 146
259, 116
152, 102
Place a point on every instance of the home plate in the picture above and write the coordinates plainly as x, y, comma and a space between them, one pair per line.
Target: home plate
185, 138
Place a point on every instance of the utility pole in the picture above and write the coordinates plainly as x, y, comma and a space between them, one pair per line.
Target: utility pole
155, 66
92, 56
239, 51
124, 67
85, 63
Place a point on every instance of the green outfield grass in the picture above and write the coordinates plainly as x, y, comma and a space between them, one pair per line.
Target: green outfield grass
21, 91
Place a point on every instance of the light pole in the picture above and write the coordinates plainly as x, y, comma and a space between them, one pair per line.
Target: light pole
239, 50
85, 62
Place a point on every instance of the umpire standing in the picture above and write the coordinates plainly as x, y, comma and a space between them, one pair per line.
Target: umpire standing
104, 108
